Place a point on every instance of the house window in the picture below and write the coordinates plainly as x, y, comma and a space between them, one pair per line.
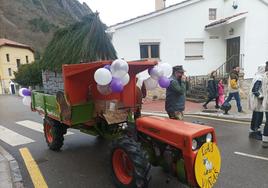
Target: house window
194, 49
18, 63
7, 56
212, 14
9, 72
149, 50
27, 59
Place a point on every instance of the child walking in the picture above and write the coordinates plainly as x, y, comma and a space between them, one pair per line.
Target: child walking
221, 92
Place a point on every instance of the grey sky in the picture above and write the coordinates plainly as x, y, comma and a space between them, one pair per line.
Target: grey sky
114, 11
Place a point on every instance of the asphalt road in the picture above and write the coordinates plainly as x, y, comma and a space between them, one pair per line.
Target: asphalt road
84, 160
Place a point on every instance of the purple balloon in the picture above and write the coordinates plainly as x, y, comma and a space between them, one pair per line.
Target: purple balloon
26, 92
116, 85
164, 82
107, 67
149, 70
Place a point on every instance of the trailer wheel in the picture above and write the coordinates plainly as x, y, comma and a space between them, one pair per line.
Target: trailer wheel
54, 132
129, 164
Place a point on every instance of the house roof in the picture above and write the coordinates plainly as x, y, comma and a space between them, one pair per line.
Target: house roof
224, 20
265, 2
184, 3
6, 42
152, 14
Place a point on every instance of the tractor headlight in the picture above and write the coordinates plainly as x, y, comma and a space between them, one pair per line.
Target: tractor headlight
194, 144
209, 137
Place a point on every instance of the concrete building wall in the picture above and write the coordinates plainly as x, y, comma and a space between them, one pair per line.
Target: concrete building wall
255, 39
172, 29
238, 30
256, 44
14, 54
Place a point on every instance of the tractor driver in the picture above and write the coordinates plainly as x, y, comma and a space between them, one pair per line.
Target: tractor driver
175, 94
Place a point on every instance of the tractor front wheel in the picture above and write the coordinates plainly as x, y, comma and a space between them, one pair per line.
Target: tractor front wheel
54, 134
129, 164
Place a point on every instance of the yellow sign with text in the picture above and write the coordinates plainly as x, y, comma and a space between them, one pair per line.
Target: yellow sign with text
207, 165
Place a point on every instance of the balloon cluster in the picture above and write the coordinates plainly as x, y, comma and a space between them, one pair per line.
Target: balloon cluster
112, 78
26, 94
159, 74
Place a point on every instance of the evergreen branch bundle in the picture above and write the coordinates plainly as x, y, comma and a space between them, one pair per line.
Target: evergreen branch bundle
83, 41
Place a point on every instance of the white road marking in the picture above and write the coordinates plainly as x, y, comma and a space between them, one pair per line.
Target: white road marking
251, 156
34, 126
12, 138
218, 119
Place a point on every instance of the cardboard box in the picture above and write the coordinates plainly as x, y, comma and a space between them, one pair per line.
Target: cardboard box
110, 110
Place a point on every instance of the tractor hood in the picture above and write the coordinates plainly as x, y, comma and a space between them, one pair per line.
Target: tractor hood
174, 132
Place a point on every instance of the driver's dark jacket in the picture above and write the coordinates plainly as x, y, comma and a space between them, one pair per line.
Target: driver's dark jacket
175, 96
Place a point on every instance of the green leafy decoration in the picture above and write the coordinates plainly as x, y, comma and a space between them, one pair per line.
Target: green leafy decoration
83, 41
29, 75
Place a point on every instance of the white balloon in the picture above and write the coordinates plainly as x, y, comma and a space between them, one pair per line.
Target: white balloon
119, 68
150, 83
125, 79
103, 76
167, 68
156, 72
104, 90
27, 100
143, 75
20, 91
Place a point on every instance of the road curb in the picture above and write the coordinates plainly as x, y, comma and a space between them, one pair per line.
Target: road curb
12, 174
220, 117
201, 115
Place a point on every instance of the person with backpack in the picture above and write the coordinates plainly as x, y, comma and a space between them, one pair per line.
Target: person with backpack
233, 89
212, 90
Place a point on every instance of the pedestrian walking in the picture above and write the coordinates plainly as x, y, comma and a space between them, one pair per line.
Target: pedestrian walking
175, 94
233, 88
265, 107
256, 96
220, 92
212, 90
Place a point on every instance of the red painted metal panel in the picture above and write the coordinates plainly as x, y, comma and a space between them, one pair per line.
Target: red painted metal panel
79, 81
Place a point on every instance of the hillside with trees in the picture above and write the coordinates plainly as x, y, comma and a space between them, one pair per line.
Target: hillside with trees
33, 22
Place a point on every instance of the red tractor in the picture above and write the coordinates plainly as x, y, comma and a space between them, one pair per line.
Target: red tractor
184, 150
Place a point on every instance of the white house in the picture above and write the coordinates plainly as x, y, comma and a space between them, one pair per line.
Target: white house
201, 35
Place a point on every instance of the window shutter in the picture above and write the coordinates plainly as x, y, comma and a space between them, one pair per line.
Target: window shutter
194, 49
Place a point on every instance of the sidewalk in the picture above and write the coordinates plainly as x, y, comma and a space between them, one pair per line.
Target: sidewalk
10, 176
192, 108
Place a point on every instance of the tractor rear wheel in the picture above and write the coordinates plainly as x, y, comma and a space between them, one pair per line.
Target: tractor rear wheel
54, 132
129, 164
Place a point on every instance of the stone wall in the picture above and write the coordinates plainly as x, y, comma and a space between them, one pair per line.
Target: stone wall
245, 87
156, 94
52, 82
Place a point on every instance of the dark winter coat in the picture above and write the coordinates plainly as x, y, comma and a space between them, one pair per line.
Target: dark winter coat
175, 96
212, 88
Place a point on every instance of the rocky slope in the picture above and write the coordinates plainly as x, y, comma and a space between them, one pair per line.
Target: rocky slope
33, 22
